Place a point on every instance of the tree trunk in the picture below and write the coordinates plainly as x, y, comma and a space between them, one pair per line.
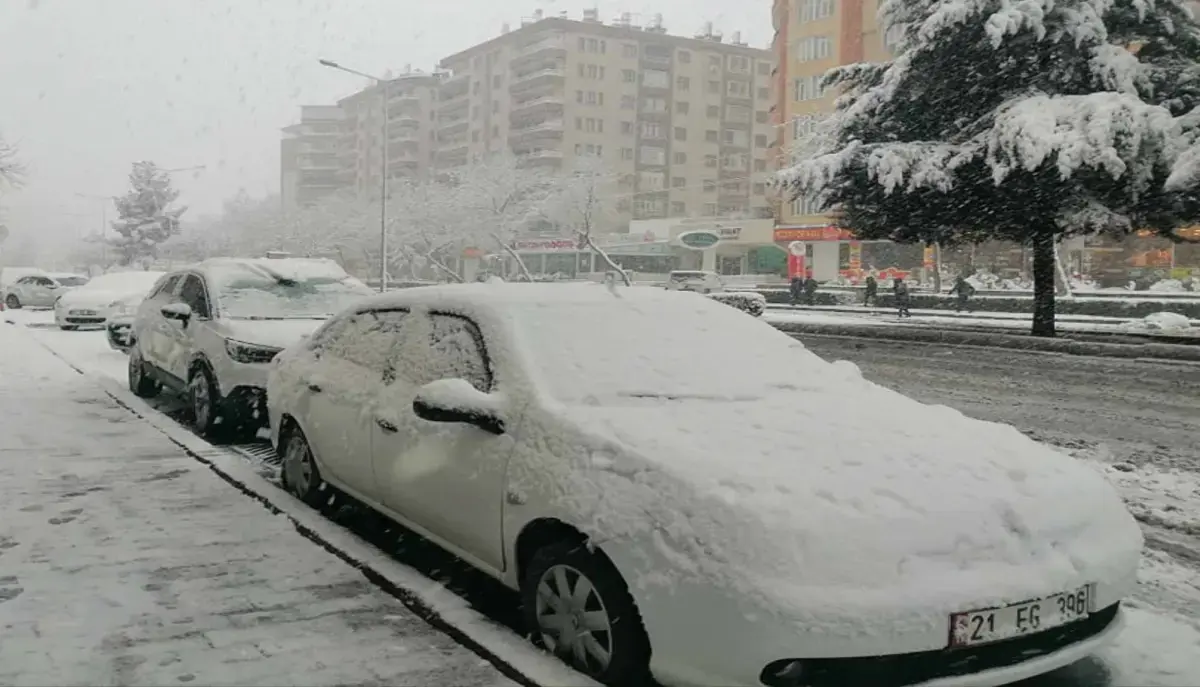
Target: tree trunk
1043, 284
612, 266
515, 256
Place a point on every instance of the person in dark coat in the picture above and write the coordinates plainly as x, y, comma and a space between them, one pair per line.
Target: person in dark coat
900, 291
810, 291
872, 294
796, 288
963, 289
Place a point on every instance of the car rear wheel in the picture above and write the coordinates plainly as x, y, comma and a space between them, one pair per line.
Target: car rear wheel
206, 401
13, 302
140, 383
579, 608
300, 475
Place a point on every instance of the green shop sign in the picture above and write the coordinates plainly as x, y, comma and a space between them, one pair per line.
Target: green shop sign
699, 240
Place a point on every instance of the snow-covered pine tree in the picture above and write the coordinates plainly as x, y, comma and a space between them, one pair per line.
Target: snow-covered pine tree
1020, 120
145, 216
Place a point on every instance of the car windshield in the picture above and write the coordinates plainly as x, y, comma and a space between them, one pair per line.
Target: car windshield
686, 276
593, 352
259, 294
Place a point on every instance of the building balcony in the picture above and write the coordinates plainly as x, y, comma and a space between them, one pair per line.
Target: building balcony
538, 79
454, 87
403, 119
536, 105
547, 47
553, 127
452, 126
542, 156
453, 106
404, 134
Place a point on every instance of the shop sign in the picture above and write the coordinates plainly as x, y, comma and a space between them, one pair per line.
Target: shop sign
544, 245
855, 255
699, 240
929, 258
472, 253
812, 234
729, 233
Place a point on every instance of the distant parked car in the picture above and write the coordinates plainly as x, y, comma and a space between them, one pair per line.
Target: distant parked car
695, 280
92, 304
210, 330
40, 290
679, 490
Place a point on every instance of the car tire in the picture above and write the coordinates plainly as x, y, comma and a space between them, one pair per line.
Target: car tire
12, 302
141, 384
205, 400
299, 472
624, 640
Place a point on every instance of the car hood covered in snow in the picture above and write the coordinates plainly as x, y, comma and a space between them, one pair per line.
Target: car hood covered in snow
92, 298
274, 333
854, 497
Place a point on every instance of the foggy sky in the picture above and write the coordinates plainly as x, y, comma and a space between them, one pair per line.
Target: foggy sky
88, 86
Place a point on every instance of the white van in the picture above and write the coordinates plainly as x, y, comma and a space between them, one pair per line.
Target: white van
695, 280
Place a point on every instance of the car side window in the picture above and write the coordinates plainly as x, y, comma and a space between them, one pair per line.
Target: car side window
194, 296
455, 350
166, 287
44, 281
367, 339
26, 280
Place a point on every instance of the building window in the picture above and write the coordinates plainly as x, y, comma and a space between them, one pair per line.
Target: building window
737, 163
711, 136
682, 107
678, 209
683, 83
737, 113
714, 87
804, 205
680, 133
710, 209
629, 49
760, 165
739, 64
807, 88
628, 102
685, 57
652, 130
762, 116
736, 137
651, 181
678, 182
627, 128
813, 48
737, 89
760, 188
764, 94
655, 78
627, 153
628, 76
654, 105
760, 141
680, 158
712, 111
710, 186
710, 161
764, 68
649, 155
814, 10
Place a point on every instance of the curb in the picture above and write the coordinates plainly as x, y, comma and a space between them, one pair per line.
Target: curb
1155, 351
444, 610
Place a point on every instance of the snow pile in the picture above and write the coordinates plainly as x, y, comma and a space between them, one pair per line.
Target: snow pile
1166, 498
1168, 286
1166, 322
294, 287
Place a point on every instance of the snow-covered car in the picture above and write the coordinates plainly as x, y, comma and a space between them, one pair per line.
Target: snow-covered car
695, 280
699, 500
116, 293
210, 330
40, 290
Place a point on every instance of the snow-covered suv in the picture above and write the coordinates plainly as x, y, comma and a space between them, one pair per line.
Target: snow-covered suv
211, 329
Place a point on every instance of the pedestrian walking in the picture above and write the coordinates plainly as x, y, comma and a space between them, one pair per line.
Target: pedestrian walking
963, 290
871, 297
796, 288
810, 291
900, 292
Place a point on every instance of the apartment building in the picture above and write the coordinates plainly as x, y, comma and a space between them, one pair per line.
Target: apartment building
411, 99
308, 168
684, 123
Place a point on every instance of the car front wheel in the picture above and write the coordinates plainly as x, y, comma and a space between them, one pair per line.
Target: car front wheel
299, 474
579, 608
140, 383
206, 401
13, 302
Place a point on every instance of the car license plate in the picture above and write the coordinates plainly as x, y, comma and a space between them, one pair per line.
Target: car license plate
995, 624
83, 312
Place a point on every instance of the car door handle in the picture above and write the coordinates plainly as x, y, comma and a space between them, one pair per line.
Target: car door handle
386, 425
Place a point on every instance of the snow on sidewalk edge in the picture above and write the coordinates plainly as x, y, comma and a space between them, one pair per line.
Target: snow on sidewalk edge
511, 654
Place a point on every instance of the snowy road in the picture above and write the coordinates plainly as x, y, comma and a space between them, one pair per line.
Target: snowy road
1095, 407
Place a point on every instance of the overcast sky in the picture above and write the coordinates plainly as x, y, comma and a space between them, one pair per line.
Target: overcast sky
88, 86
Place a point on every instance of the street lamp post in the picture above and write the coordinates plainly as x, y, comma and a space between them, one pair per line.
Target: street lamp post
383, 167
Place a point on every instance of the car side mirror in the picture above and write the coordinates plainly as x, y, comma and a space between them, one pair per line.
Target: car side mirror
456, 401
180, 312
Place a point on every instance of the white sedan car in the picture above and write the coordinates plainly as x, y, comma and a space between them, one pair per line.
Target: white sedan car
91, 305
680, 490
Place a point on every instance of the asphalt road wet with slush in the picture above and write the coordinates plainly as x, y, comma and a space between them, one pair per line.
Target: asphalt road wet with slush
1137, 411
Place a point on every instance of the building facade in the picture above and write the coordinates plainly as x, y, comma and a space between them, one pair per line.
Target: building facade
308, 156
683, 123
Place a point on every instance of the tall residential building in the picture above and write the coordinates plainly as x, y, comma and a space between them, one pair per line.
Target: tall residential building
411, 101
308, 156
683, 122
811, 37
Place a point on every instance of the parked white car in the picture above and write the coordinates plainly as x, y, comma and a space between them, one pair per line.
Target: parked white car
40, 290
116, 293
695, 280
209, 330
677, 488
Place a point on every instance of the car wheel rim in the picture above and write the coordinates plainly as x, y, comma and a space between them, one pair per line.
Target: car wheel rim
298, 467
572, 619
200, 399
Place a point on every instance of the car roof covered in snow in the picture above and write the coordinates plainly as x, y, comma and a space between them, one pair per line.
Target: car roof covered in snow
300, 269
510, 295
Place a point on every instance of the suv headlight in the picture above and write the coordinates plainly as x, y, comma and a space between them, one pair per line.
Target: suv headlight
243, 352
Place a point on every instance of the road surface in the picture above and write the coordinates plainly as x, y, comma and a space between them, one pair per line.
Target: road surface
1114, 410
